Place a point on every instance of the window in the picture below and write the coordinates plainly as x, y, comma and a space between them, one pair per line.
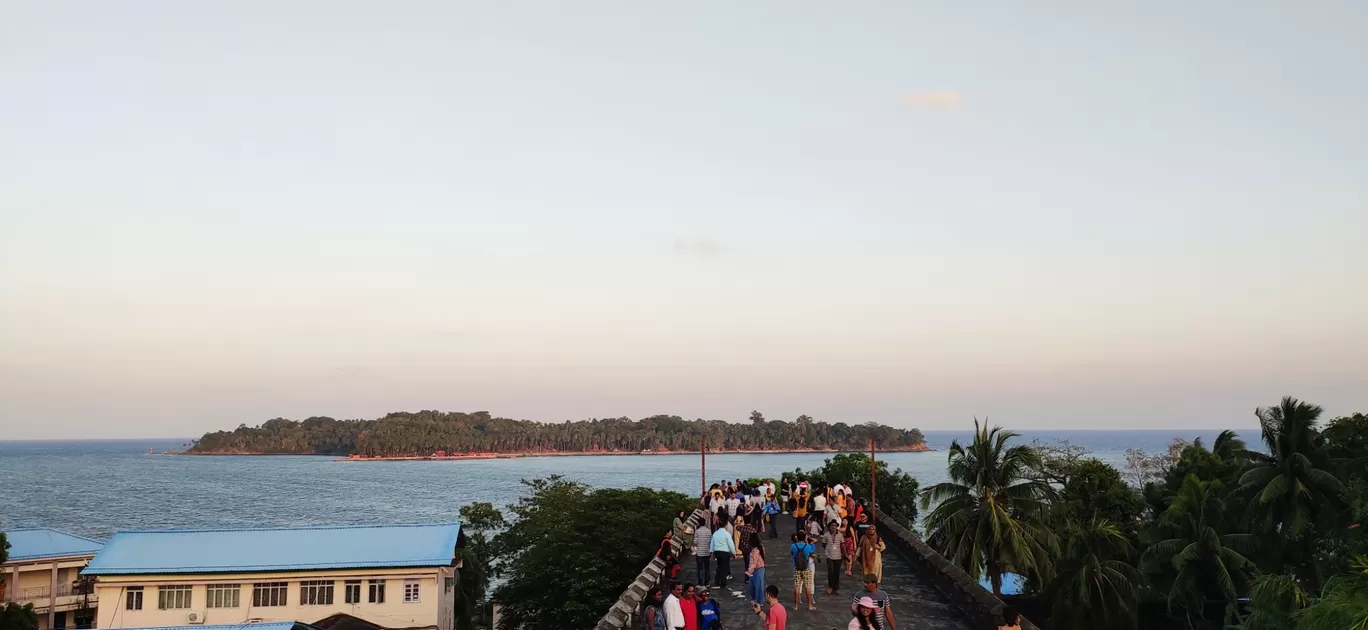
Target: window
269, 594
223, 595
377, 591
352, 591
133, 598
316, 593
411, 591
450, 585
175, 597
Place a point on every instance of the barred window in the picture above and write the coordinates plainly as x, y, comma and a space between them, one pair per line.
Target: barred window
352, 591
316, 593
133, 599
223, 595
270, 594
411, 592
175, 597
377, 591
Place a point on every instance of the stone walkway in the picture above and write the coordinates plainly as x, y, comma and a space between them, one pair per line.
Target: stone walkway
917, 605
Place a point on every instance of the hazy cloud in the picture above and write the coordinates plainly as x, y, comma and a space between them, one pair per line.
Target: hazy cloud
935, 99
700, 246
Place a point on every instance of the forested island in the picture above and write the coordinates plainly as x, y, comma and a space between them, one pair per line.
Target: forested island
453, 434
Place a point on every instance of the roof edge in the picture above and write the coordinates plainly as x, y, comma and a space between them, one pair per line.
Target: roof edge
293, 568
276, 529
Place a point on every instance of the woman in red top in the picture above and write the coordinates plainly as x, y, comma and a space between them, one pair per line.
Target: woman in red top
690, 607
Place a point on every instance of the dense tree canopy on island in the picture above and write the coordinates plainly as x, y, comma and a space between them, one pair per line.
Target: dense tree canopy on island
427, 432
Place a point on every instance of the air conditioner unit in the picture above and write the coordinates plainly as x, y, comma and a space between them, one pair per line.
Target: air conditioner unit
195, 618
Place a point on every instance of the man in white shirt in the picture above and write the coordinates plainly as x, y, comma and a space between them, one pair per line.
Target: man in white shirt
674, 614
732, 504
819, 503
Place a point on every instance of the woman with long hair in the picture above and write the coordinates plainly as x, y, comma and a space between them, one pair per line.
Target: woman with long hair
848, 546
871, 554
755, 570
654, 616
864, 616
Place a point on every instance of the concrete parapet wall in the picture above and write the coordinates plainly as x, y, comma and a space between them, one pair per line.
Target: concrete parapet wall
964, 592
627, 608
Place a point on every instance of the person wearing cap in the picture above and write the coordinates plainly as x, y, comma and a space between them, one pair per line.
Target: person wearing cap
709, 612
865, 616
883, 607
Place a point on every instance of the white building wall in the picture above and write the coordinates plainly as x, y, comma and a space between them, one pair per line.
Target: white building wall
434, 608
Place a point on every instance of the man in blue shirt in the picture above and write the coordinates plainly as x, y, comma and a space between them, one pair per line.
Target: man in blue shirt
723, 548
771, 512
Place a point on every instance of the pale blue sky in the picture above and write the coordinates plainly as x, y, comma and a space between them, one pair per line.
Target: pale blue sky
1056, 214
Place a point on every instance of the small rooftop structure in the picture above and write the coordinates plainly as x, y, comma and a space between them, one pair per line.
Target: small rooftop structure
38, 543
276, 549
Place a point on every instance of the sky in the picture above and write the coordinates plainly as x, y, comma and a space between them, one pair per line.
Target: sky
1053, 214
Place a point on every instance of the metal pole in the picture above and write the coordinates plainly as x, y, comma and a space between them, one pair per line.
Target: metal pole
703, 455
873, 498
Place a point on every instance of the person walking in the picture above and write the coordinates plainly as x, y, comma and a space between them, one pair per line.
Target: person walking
800, 510
755, 572
871, 555
864, 616
776, 617
709, 612
723, 548
653, 617
831, 547
745, 541
690, 607
884, 610
772, 516
674, 612
802, 553
848, 545
703, 551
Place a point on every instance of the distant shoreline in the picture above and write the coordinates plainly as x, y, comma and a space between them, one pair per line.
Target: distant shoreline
921, 448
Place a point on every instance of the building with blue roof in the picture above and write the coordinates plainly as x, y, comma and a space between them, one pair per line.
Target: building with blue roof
43, 569
392, 576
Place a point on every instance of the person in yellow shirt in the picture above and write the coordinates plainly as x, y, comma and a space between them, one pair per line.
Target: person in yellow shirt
800, 509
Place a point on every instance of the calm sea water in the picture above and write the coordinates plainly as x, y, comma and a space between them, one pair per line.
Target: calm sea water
95, 488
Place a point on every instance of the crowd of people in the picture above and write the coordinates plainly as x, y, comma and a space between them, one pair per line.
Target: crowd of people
829, 522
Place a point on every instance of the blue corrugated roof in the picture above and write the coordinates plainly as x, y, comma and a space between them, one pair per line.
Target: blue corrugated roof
277, 549
265, 625
41, 542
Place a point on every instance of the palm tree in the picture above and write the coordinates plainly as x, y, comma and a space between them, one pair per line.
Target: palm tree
1291, 483
1094, 587
1202, 557
1279, 602
1343, 604
990, 517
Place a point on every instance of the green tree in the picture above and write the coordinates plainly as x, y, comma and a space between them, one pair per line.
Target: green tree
1278, 602
1094, 585
479, 523
1198, 556
1293, 488
1095, 489
897, 490
991, 517
569, 552
13, 616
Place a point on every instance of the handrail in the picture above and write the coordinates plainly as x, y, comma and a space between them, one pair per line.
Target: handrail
623, 614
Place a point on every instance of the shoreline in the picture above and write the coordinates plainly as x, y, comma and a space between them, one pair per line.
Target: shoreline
469, 456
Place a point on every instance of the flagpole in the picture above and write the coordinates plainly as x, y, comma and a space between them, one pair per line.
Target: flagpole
703, 456
873, 497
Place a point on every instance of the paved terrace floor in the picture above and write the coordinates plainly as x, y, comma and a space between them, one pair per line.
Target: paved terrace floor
917, 605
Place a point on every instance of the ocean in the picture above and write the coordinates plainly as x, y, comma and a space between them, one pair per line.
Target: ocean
96, 488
